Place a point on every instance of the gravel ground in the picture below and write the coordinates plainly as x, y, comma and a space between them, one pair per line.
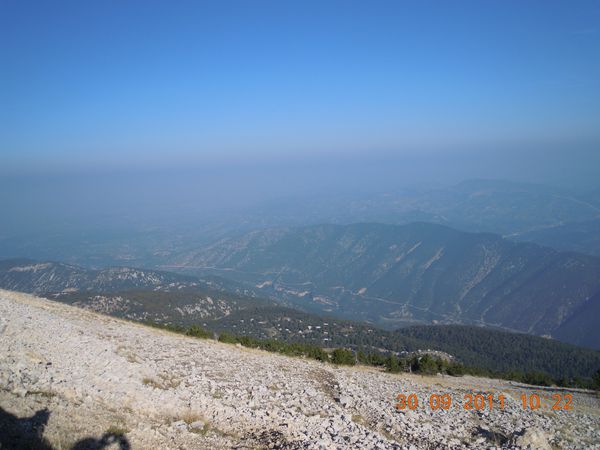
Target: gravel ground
71, 378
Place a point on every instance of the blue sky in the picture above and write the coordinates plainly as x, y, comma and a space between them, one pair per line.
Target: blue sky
122, 83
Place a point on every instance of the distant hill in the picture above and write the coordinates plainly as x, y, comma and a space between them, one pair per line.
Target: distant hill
556, 217
397, 275
36, 277
581, 326
160, 297
136, 294
583, 237
505, 207
506, 352
476, 205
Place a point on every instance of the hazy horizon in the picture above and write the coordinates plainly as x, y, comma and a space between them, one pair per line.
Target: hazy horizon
164, 115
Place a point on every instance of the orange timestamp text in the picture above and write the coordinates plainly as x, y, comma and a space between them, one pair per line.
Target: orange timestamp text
558, 402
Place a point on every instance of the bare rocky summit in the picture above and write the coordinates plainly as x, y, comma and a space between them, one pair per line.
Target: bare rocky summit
72, 378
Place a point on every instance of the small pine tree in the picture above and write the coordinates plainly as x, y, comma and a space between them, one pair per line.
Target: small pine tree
455, 369
427, 365
538, 379
362, 357
376, 359
227, 338
342, 356
198, 332
392, 364
317, 353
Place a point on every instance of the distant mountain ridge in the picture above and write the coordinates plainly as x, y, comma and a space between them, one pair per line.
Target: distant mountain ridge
419, 272
36, 277
136, 294
564, 219
476, 205
582, 237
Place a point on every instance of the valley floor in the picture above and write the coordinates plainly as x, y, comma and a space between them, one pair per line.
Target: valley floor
71, 378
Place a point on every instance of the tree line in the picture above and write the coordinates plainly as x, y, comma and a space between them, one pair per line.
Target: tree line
423, 363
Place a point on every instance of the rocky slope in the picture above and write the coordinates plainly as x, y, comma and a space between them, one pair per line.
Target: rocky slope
27, 275
70, 378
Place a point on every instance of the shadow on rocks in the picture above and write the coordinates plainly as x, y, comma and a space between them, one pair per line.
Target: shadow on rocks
495, 437
26, 433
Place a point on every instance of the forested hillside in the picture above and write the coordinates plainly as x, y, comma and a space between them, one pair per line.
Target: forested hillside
421, 272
